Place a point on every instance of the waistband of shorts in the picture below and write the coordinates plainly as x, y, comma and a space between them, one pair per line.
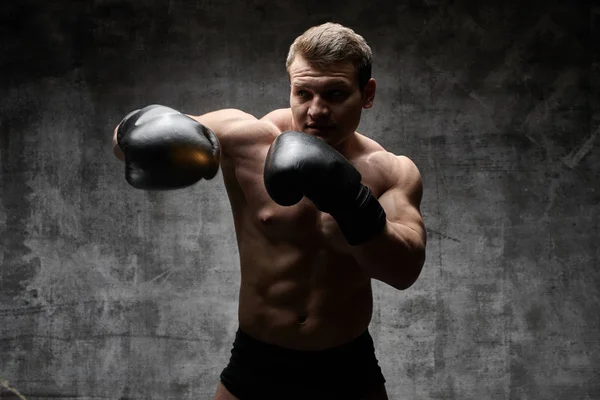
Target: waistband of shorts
244, 339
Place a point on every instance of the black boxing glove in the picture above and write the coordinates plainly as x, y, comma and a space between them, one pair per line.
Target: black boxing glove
165, 149
299, 164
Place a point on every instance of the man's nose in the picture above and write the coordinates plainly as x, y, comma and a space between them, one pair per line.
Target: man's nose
318, 108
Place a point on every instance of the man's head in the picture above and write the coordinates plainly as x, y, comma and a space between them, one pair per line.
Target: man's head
330, 76
330, 43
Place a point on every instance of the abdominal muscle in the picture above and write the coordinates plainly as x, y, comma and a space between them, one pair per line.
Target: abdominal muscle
300, 287
296, 290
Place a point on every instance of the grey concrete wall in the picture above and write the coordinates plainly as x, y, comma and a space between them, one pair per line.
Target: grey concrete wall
111, 293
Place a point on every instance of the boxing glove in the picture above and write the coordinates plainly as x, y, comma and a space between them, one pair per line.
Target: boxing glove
299, 165
165, 149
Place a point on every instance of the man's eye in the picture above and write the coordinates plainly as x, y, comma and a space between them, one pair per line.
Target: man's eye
301, 93
337, 94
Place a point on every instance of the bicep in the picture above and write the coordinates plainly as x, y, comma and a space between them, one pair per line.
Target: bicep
402, 200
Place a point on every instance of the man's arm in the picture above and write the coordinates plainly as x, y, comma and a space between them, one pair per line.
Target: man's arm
224, 123
396, 255
164, 149
386, 236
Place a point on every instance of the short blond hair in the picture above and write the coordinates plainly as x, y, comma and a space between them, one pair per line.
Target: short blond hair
331, 43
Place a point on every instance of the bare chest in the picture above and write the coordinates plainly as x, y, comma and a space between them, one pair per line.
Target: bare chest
253, 208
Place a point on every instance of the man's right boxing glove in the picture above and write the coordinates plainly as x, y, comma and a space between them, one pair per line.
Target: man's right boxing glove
165, 149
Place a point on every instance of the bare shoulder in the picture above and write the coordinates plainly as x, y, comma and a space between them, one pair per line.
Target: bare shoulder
399, 171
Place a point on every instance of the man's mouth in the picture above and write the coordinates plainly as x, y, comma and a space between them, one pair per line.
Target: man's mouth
316, 127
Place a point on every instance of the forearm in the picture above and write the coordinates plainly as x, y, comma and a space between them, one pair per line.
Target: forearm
395, 256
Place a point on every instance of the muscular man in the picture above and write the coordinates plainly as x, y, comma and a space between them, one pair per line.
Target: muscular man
319, 211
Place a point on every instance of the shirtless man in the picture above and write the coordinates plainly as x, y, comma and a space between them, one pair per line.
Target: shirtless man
319, 211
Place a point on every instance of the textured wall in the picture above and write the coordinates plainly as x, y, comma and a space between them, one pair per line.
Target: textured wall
111, 293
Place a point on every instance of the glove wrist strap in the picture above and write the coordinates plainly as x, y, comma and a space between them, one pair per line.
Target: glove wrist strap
364, 220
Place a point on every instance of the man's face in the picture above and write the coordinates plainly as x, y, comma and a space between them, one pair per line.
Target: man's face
327, 103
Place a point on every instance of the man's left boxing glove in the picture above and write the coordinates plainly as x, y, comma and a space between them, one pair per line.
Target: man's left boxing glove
299, 164
165, 149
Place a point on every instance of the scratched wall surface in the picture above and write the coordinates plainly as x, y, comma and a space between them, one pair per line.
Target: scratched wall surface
111, 293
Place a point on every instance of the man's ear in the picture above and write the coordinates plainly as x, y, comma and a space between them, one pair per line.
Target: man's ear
369, 93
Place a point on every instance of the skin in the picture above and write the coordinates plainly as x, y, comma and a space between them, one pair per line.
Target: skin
304, 287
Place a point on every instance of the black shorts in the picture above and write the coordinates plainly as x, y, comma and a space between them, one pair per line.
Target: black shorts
259, 370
